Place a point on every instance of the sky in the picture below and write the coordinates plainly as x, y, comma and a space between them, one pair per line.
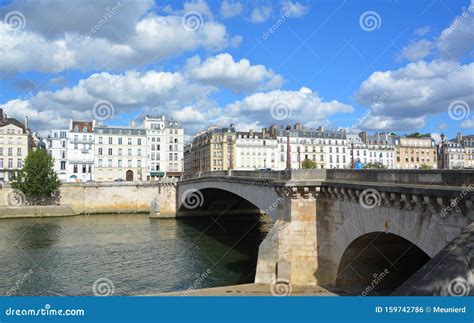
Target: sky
388, 65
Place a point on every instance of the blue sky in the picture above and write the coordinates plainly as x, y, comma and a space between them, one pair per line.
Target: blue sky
383, 65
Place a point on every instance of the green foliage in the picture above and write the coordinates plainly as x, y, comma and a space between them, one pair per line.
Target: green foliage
38, 180
424, 166
418, 135
309, 164
377, 165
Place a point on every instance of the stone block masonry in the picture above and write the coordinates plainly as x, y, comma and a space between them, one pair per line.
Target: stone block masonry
114, 197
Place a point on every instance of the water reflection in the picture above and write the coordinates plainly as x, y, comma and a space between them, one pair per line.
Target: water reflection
64, 256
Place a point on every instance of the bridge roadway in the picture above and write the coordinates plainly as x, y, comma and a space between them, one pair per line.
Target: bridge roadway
341, 228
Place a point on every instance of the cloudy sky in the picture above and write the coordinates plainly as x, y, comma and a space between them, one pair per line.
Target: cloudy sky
385, 65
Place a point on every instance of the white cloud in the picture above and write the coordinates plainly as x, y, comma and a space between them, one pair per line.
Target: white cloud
131, 92
240, 76
260, 14
152, 39
294, 9
420, 32
296, 106
416, 50
468, 124
406, 96
458, 38
230, 9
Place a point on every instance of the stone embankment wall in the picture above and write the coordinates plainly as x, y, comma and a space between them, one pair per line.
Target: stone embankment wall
110, 197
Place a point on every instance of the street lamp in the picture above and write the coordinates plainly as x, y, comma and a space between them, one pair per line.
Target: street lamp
288, 148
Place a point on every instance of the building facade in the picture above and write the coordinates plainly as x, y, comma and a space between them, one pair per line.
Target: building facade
255, 150
80, 152
165, 147
213, 149
415, 152
57, 146
15, 143
120, 153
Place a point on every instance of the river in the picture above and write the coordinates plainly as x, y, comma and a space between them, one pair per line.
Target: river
136, 255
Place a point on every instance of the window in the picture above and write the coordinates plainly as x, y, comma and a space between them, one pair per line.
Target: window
63, 165
110, 162
130, 151
139, 152
10, 162
100, 140
139, 141
20, 163
100, 162
120, 141
10, 151
1, 151
139, 163
111, 140
120, 151
74, 169
100, 151
84, 169
129, 141
129, 163
120, 163
110, 151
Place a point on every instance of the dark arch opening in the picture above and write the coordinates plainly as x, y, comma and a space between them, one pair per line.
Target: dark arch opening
225, 218
214, 202
377, 263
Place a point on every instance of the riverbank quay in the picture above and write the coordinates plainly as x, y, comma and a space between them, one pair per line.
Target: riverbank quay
36, 211
278, 289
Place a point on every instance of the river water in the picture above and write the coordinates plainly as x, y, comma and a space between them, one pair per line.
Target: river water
135, 255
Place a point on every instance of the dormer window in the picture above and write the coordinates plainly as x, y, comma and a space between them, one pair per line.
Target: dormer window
84, 129
76, 129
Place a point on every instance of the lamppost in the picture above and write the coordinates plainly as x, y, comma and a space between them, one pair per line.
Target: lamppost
288, 148
443, 151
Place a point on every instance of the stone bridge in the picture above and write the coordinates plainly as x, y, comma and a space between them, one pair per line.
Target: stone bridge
342, 228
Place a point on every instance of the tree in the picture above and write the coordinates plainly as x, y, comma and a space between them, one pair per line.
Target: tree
424, 166
38, 180
308, 164
376, 165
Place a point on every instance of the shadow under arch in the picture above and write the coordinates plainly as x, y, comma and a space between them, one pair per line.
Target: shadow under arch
376, 263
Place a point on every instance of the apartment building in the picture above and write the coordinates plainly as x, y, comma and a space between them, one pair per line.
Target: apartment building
328, 148
255, 150
165, 147
415, 152
57, 146
15, 143
380, 149
468, 145
80, 152
120, 153
213, 149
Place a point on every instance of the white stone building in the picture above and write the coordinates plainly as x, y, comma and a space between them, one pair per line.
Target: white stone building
57, 147
165, 147
255, 150
80, 152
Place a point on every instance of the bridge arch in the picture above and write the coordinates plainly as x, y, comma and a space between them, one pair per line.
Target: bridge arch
214, 196
376, 263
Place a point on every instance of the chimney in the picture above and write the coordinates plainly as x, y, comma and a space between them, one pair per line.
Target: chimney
132, 124
298, 126
251, 132
26, 122
264, 132
459, 138
364, 136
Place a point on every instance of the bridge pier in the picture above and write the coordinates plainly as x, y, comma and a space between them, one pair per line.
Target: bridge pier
289, 252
